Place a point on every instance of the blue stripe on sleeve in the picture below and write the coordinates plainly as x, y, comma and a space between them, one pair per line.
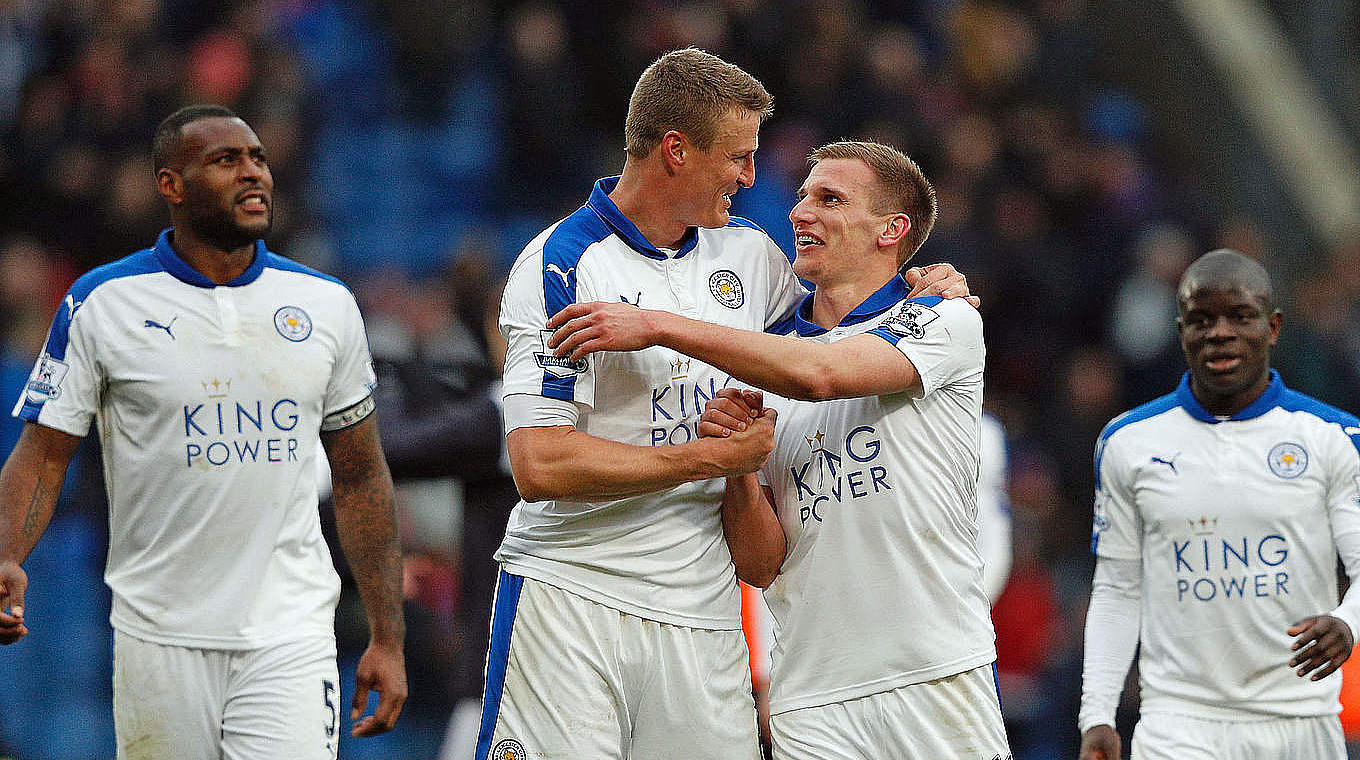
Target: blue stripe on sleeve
59, 336
562, 253
1293, 401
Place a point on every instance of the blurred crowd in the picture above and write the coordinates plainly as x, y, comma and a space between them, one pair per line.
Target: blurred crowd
417, 147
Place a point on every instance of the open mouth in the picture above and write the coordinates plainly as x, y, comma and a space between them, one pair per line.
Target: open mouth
804, 240
1223, 363
255, 201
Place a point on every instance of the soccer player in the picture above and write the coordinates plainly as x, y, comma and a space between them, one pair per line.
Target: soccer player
883, 639
616, 631
214, 371
1220, 511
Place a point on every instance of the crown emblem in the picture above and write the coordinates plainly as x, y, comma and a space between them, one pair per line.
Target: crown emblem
815, 442
1204, 526
680, 369
216, 388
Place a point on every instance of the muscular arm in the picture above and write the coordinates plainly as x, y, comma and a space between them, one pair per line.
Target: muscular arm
750, 523
862, 365
752, 530
29, 484
365, 518
561, 462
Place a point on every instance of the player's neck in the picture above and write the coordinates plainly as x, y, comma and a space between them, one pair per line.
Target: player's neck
217, 264
832, 301
643, 199
1226, 405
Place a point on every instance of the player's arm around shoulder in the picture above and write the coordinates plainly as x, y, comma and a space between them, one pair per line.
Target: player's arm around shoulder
365, 516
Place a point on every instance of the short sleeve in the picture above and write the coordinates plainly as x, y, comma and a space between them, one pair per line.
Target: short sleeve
352, 379
942, 339
530, 366
786, 292
1117, 526
62, 391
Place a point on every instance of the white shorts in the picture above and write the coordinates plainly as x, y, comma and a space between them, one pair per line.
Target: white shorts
954, 717
1163, 736
276, 703
567, 677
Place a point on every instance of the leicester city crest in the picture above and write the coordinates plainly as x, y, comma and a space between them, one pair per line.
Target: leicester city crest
1288, 460
293, 323
726, 288
508, 749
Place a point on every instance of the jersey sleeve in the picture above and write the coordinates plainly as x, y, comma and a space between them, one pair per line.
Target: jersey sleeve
350, 390
941, 338
530, 366
1343, 511
1117, 525
62, 392
786, 292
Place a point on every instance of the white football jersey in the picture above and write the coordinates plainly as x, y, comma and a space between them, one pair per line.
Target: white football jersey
882, 585
1237, 523
208, 402
660, 556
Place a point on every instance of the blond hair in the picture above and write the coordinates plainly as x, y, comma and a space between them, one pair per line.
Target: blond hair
902, 187
688, 91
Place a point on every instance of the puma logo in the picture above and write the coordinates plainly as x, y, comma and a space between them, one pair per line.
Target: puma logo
555, 269
159, 326
1168, 462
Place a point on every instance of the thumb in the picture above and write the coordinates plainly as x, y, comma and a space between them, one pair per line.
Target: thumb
913, 275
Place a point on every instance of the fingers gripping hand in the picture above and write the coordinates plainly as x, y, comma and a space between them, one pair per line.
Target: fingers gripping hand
939, 280
1321, 644
752, 446
13, 585
384, 671
582, 329
730, 411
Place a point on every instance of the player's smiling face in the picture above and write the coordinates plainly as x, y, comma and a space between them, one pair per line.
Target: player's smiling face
834, 224
1227, 335
725, 167
228, 189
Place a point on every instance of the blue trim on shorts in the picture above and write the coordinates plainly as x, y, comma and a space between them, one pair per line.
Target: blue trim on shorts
502, 625
996, 684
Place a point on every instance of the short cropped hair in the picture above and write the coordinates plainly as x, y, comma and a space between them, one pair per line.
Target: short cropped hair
1226, 269
902, 187
688, 91
165, 147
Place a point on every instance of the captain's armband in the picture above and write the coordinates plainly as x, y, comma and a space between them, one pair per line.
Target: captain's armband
349, 416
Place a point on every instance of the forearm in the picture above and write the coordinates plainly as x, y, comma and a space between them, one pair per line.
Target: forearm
30, 482
564, 463
752, 530
779, 364
1113, 622
365, 518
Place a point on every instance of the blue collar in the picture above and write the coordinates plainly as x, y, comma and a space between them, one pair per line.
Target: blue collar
884, 298
1268, 400
623, 226
165, 254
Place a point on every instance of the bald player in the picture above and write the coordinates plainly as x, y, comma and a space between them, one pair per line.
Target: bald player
1220, 511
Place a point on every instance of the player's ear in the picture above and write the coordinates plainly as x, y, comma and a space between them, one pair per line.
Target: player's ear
894, 230
675, 149
170, 184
